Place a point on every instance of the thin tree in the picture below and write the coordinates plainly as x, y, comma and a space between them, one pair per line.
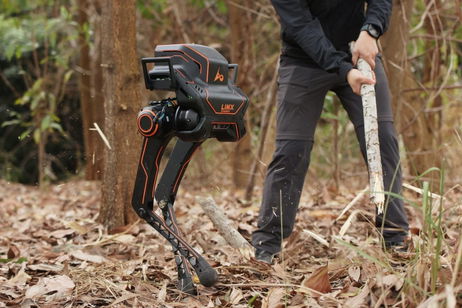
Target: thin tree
240, 21
85, 88
419, 129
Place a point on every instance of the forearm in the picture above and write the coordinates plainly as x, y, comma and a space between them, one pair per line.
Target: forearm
378, 14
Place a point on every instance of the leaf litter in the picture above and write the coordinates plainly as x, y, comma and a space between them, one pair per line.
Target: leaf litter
54, 253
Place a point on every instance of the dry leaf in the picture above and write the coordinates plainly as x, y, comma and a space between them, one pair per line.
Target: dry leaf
46, 267
322, 214
354, 272
123, 298
20, 278
79, 254
318, 281
62, 285
236, 296
391, 280
61, 233
125, 238
77, 227
163, 292
274, 299
359, 299
13, 252
280, 271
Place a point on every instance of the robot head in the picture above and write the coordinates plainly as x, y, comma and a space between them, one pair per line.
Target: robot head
209, 104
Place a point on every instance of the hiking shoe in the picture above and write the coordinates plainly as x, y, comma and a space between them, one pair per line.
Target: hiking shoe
396, 246
264, 256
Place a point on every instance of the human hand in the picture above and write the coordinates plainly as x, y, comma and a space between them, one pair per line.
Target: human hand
355, 79
366, 48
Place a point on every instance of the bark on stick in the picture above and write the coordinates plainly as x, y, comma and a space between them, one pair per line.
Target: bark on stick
371, 130
224, 226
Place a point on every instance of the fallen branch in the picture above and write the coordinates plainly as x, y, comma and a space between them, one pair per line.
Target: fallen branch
224, 227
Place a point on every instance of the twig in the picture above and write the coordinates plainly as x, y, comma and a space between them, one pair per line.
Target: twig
317, 237
421, 192
348, 223
352, 203
100, 132
458, 262
249, 10
426, 89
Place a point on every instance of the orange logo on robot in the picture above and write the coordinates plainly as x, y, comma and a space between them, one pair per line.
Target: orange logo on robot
227, 107
219, 76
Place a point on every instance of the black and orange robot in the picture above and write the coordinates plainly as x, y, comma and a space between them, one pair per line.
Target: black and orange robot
208, 104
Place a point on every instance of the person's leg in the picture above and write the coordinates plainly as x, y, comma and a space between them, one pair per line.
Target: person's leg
301, 94
396, 224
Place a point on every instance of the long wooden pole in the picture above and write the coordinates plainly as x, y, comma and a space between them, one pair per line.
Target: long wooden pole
371, 132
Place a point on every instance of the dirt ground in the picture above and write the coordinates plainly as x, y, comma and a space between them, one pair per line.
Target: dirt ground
53, 253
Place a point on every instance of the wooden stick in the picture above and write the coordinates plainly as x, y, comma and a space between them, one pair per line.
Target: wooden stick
352, 203
224, 227
371, 132
421, 192
102, 135
317, 237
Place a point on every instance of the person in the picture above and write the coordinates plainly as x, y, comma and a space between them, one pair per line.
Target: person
315, 59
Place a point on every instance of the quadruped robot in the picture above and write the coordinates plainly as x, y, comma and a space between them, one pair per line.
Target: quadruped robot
208, 104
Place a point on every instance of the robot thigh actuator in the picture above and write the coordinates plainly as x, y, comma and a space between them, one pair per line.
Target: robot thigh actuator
208, 104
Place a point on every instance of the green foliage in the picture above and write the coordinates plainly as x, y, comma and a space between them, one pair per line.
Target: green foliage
37, 43
49, 40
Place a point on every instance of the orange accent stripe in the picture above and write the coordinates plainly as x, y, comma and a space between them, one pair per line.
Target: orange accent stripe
179, 72
203, 56
219, 112
155, 130
159, 154
139, 124
173, 50
177, 237
180, 57
177, 182
144, 169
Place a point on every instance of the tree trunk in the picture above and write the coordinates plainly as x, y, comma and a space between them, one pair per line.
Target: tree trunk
122, 82
240, 22
409, 106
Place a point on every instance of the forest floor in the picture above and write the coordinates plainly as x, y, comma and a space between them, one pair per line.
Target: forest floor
53, 253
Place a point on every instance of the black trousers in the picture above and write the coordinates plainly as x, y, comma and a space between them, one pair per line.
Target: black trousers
301, 93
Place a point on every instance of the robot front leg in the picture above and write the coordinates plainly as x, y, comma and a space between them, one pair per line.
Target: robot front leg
165, 195
143, 197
